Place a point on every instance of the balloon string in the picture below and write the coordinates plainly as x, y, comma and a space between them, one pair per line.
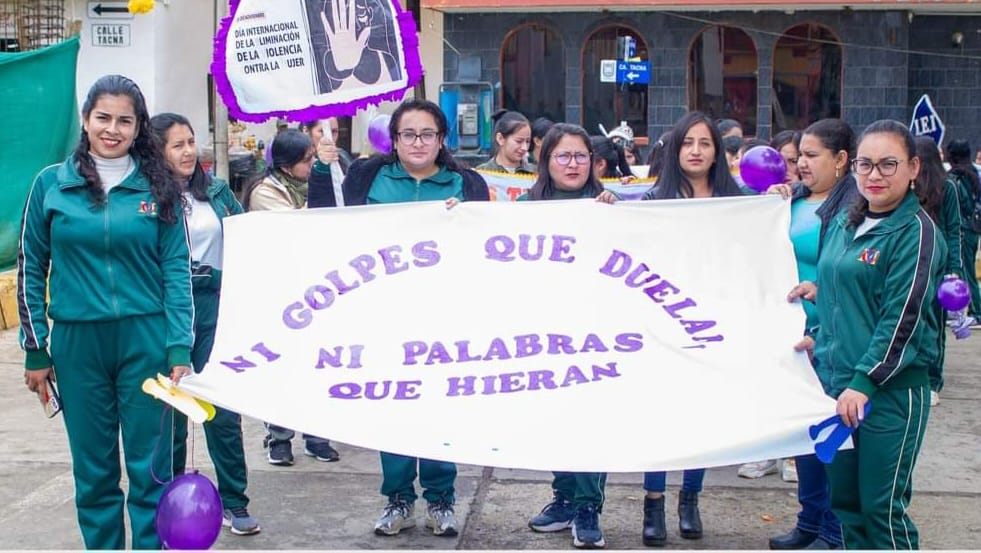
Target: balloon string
190, 432
156, 447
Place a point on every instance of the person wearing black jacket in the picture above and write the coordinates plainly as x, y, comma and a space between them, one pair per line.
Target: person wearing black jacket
419, 168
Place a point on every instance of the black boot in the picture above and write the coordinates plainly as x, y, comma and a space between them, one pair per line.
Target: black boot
655, 533
689, 521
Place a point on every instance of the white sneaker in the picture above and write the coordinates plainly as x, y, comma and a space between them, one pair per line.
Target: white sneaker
396, 516
934, 399
758, 469
788, 473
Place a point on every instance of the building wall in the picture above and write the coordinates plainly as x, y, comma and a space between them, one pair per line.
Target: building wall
953, 83
879, 78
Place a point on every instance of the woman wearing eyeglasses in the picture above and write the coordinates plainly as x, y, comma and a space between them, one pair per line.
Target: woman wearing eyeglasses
568, 170
694, 166
418, 169
878, 277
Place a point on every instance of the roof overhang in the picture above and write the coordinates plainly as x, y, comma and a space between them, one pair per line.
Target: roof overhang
938, 7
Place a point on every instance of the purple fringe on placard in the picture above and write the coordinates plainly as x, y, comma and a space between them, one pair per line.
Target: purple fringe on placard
410, 52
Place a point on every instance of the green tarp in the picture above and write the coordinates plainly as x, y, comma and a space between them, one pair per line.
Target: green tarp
39, 111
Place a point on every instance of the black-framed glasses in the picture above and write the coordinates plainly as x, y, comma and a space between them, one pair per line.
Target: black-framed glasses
408, 138
887, 167
566, 158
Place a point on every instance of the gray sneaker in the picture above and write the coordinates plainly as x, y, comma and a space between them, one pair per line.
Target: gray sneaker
396, 516
440, 517
239, 522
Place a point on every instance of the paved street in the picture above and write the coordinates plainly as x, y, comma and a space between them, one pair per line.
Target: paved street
314, 505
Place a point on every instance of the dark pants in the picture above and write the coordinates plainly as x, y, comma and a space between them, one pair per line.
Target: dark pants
399, 475
871, 485
100, 369
582, 488
224, 432
691, 481
814, 495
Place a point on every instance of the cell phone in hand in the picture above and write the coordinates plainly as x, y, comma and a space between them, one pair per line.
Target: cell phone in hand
50, 400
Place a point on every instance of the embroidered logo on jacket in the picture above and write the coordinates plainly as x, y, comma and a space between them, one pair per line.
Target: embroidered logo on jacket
148, 208
869, 256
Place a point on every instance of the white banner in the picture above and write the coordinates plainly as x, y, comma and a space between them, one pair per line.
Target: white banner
568, 335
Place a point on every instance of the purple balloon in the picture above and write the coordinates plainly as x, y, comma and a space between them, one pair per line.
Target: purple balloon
378, 133
953, 294
189, 513
762, 167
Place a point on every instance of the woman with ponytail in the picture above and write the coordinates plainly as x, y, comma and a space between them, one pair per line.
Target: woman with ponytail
107, 228
875, 289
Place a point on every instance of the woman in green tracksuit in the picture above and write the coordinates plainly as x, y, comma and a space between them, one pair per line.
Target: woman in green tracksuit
419, 169
876, 287
107, 227
209, 201
570, 169
966, 179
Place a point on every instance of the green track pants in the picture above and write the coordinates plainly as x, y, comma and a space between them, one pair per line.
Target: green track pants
871, 485
582, 488
100, 368
224, 432
399, 474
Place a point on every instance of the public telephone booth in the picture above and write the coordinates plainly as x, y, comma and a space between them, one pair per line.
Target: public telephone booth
468, 107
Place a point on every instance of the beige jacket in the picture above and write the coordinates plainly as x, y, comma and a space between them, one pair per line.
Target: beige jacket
270, 195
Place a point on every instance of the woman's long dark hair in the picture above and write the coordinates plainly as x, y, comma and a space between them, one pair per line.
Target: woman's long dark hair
544, 188
161, 123
959, 157
165, 189
672, 182
860, 209
930, 181
288, 148
612, 153
443, 158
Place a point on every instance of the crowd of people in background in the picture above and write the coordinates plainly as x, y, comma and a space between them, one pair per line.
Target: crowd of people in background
883, 190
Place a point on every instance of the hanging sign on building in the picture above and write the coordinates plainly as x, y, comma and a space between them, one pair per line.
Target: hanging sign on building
116, 35
634, 72
926, 121
309, 59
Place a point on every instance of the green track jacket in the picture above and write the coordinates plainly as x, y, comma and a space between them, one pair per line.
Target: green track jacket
106, 263
223, 202
877, 300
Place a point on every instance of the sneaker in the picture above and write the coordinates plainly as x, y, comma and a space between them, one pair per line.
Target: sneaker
439, 517
788, 472
280, 453
397, 515
586, 533
555, 517
758, 469
321, 451
934, 398
239, 522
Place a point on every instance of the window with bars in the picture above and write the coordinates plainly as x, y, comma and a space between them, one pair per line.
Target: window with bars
31, 24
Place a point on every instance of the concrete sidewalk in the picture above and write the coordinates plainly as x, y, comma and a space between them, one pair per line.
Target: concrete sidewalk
314, 505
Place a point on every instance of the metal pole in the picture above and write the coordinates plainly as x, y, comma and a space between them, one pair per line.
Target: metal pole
220, 139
